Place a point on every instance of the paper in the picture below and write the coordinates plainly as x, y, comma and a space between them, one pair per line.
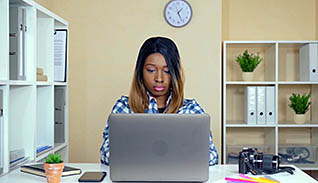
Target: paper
60, 41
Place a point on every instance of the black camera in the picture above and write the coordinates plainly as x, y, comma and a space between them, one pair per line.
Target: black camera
250, 160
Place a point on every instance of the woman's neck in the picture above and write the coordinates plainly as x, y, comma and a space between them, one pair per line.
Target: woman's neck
161, 101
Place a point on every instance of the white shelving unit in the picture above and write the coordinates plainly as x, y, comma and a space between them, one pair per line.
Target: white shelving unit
279, 68
35, 113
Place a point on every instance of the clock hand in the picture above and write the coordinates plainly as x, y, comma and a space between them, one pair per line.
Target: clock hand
180, 17
179, 10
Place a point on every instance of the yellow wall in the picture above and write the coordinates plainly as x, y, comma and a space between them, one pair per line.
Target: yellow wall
269, 19
105, 37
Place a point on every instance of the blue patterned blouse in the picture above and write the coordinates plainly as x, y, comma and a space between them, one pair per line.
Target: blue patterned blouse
122, 106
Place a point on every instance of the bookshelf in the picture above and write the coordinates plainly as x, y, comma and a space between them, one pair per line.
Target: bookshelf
35, 113
280, 69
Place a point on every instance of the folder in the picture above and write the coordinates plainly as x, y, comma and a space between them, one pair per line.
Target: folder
260, 105
270, 105
250, 105
59, 115
308, 62
1, 131
17, 37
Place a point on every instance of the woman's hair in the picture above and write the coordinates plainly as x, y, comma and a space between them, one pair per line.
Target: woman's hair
138, 99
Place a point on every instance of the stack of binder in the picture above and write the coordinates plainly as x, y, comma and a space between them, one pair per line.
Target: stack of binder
308, 64
39, 75
260, 105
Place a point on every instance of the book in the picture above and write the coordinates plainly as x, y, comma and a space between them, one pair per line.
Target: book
37, 169
39, 71
41, 77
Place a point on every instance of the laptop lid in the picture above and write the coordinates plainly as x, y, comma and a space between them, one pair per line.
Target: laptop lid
159, 147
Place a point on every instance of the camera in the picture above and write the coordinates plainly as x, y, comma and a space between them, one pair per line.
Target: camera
250, 160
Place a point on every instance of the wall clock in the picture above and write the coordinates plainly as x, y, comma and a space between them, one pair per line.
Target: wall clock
178, 13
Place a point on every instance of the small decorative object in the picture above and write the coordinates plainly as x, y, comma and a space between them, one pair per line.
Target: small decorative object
248, 63
178, 13
300, 104
53, 166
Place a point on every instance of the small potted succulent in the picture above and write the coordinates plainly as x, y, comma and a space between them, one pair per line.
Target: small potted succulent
248, 63
300, 104
53, 167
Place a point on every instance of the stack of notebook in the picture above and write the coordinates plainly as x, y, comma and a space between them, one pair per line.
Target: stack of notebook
37, 169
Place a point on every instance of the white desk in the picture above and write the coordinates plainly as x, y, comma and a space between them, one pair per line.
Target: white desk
217, 175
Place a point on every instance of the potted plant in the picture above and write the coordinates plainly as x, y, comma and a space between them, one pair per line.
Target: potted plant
53, 167
248, 63
300, 104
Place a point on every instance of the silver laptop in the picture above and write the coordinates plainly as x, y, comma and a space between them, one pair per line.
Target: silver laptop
159, 147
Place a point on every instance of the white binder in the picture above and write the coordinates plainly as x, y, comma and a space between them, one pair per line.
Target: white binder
308, 62
1, 131
260, 105
270, 105
250, 105
17, 44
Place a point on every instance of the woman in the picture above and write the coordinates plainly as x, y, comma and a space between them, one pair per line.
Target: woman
157, 87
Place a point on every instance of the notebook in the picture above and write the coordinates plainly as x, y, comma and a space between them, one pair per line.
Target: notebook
37, 169
159, 147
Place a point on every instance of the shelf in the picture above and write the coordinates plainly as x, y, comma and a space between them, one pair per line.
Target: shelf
285, 113
248, 126
43, 83
3, 82
297, 83
265, 71
44, 116
28, 105
250, 83
57, 147
60, 84
21, 83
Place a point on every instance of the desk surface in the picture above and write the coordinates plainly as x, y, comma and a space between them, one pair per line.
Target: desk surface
217, 175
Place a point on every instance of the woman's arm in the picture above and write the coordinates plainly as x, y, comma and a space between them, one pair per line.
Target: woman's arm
121, 106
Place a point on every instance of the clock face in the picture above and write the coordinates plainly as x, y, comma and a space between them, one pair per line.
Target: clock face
178, 13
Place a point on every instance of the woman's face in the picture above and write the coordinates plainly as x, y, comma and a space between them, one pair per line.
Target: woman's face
156, 75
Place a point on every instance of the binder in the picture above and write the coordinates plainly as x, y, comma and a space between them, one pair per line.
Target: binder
308, 62
1, 131
17, 42
250, 105
270, 105
59, 115
260, 105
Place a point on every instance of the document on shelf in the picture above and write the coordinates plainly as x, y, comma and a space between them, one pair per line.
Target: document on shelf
60, 55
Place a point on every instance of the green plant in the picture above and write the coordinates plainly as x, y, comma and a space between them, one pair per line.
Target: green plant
300, 104
54, 158
248, 62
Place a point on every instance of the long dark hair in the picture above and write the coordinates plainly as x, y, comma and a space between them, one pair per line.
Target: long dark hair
138, 99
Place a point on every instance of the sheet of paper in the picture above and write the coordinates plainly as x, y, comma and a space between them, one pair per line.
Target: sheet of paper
60, 38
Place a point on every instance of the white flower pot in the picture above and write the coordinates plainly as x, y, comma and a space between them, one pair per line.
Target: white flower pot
247, 76
300, 118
